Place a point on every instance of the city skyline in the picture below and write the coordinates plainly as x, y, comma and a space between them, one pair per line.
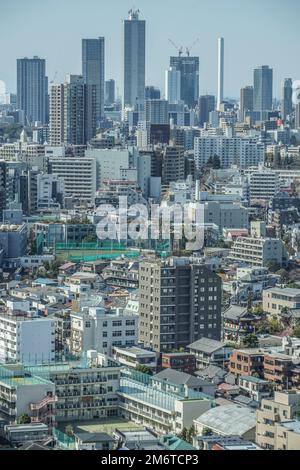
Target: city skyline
268, 47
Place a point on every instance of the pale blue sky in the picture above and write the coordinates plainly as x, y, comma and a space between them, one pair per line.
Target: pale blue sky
256, 32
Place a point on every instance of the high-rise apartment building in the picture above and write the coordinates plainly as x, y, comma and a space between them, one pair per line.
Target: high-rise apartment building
206, 106
134, 59
180, 302
32, 89
246, 101
263, 89
157, 111
189, 82
93, 70
72, 112
173, 164
286, 98
220, 73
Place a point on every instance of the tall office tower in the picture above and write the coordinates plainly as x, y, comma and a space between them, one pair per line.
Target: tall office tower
72, 112
134, 59
173, 85
263, 89
189, 73
180, 303
207, 104
93, 70
152, 93
297, 116
246, 101
32, 89
110, 92
286, 98
220, 73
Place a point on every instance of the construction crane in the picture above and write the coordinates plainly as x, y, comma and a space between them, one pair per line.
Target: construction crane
54, 78
188, 49
179, 48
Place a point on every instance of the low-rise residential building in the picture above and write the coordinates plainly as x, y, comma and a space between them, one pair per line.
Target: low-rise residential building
25, 337
135, 357
277, 369
255, 388
181, 361
94, 441
172, 380
271, 433
258, 251
276, 299
209, 352
101, 329
247, 362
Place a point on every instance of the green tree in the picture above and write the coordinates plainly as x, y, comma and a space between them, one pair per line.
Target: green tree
184, 434
296, 332
207, 432
251, 341
24, 419
273, 266
284, 275
191, 433
143, 369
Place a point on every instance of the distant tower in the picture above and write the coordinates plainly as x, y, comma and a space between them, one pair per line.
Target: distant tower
32, 89
173, 85
220, 72
134, 59
286, 98
93, 70
263, 89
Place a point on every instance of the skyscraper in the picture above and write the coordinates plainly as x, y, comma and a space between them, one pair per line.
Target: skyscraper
263, 89
207, 104
189, 82
286, 98
246, 101
152, 93
93, 70
134, 59
110, 92
220, 72
72, 112
32, 89
173, 85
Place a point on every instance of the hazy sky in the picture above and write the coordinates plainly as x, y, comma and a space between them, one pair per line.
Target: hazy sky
256, 32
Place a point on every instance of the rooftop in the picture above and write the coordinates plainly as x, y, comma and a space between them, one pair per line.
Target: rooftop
207, 345
229, 420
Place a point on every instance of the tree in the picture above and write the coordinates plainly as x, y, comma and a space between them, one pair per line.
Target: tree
214, 162
191, 433
251, 341
184, 434
207, 432
296, 332
258, 310
69, 430
24, 419
284, 275
273, 266
143, 369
